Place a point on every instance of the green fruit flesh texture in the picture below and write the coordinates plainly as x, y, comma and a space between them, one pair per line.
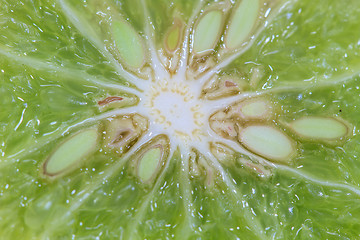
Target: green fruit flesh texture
52, 76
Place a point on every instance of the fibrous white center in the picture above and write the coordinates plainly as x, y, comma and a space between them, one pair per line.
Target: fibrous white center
174, 109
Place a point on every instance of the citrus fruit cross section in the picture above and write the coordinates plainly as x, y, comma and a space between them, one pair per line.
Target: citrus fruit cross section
174, 109
183, 104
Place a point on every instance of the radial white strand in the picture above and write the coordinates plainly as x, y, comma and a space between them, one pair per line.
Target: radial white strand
142, 209
184, 55
254, 224
354, 189
85, 28
160, 72
229, 59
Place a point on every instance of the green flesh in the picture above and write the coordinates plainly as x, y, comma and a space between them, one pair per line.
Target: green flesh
308, 50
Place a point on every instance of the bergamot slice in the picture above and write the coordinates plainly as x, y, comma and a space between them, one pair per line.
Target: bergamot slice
198, 133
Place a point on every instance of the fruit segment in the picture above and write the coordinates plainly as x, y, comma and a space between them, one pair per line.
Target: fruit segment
129, 44
267, 142
191, 101
242, 21
207, 32
320, 128
71, 152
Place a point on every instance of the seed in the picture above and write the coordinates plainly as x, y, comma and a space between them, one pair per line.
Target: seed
207, 32
71, 152
320, 128
242, 22
149, 164
267, 142
256, 109
173, 37
129, 44
256, 167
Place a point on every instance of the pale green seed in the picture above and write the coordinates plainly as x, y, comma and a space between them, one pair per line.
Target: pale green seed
149, 163
129, 44
255, 109
71, 151
267, 142
242, 22
320, 128
207, 31
172, 39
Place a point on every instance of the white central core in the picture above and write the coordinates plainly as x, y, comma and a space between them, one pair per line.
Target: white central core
174, 108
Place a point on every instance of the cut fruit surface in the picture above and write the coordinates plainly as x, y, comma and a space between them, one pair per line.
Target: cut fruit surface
179, 119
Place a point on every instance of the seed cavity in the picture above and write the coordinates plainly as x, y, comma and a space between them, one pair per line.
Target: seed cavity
268, 142
223, 86
113, 102
258, 168
223, 153
247, 110
71, 152
109, 100
121, 132
320, 128
207, 32
225, 128
201, 169
241, 24
129, 44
